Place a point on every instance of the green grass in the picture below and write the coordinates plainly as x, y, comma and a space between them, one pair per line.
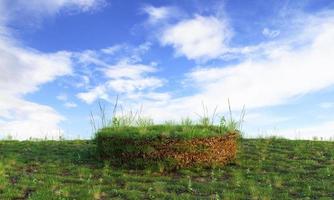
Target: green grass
264, 169
164, 130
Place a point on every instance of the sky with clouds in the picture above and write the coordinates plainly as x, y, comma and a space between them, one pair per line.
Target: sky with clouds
59, 58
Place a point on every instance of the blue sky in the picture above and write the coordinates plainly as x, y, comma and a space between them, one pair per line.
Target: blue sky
60, 57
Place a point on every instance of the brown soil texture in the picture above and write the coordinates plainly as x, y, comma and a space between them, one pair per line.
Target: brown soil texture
204, 152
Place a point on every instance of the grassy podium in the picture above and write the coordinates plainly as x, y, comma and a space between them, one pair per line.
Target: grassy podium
167, 147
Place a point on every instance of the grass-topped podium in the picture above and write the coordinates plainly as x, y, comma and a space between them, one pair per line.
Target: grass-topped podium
167, 147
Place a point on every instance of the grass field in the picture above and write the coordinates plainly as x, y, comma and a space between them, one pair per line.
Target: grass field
264, 169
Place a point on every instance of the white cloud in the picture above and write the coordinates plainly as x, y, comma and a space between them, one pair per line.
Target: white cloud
126, 70
62, 97
112, 50
151, 96
272, 81
121, 52
198, 38
67, 104
50, 7
23, 70
118, 70
323, 130
131, 77
94, 94
70, 105
56, 5
132, 85
270, 33
158, 14
24, 119
262, 119
327, 105
88, 57
3, 16
36, 10
127, 79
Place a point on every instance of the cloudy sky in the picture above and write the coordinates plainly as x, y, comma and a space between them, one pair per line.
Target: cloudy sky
58, 58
